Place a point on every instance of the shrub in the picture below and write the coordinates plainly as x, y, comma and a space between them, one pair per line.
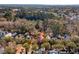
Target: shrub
71, 45
34, 47
58, 46
45, 45
26, 46
9, 50
8, 39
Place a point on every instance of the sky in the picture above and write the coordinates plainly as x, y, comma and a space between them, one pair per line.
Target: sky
45, 2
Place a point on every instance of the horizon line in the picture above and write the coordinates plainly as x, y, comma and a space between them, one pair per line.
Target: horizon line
40, 4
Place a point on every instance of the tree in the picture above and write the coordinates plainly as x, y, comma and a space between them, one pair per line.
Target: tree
23, 28
8, 39
45, 25
34, 47
37, 25
45, 45
52, 42
56, 28
26, 46
75, 40
8, 15
9, 50
58, 46
71, 46
44, 40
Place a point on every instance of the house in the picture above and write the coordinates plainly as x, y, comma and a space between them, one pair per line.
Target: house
15, 10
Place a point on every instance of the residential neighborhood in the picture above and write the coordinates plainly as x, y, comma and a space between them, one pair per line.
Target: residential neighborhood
39, 29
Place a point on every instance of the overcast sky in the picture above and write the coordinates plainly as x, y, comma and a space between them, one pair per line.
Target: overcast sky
48, 2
